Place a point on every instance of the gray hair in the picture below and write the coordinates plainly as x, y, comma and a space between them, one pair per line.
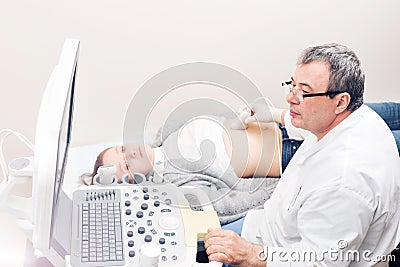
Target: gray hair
345, 72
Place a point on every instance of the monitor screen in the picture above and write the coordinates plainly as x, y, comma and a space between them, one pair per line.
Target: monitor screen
53, 135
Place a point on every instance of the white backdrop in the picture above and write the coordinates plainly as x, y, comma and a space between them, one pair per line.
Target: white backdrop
124, 43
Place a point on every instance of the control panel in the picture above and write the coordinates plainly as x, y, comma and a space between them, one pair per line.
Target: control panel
111, 225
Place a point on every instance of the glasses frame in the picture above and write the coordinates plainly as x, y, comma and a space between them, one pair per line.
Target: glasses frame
301, 95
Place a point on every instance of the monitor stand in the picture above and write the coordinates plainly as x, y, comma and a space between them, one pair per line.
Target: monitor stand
21, 208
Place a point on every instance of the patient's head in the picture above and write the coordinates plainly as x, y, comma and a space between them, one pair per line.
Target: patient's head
128, 159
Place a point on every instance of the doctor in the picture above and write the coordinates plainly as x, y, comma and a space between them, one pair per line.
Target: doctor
339, 196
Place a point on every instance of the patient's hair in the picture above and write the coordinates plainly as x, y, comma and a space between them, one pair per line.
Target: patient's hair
99, 162
345, 75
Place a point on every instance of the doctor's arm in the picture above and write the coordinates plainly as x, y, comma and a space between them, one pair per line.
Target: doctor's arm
262, 111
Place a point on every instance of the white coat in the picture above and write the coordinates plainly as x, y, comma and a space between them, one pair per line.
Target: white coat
338, 196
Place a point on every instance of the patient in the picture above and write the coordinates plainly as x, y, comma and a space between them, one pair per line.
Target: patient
183, 158
253, 152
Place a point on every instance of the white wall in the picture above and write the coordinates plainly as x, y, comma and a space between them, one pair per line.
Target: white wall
124, 43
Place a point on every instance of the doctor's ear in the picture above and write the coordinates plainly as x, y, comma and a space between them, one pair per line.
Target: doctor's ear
343, 101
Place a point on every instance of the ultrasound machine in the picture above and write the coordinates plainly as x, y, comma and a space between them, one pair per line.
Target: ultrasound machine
150, 223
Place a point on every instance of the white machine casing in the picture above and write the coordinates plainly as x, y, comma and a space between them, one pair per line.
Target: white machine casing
47, 150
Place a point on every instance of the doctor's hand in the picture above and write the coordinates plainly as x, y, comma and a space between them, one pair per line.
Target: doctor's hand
262, 112
228, 247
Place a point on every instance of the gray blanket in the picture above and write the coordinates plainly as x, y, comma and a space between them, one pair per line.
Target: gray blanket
231, 196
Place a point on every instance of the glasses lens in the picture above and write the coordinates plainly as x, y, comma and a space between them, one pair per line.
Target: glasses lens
289, 88
298, 94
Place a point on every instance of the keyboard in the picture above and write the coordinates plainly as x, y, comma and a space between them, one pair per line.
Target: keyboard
99, 226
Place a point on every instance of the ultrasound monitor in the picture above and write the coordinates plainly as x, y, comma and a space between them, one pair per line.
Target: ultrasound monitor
52, 139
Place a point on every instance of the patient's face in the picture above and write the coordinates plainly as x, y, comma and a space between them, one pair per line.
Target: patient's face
130, 158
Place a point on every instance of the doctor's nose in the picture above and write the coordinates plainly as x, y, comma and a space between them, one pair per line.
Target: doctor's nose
292, 99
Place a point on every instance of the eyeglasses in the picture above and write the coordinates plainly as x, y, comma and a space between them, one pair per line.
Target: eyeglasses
300, 95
